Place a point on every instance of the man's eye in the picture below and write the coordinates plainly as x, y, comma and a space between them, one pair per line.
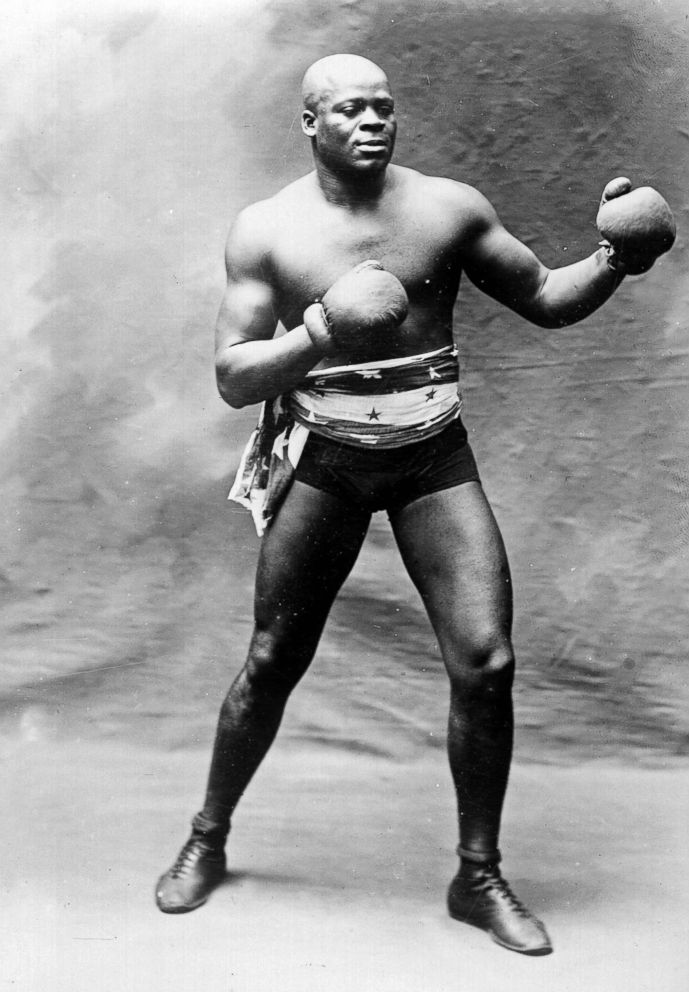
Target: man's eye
349, 111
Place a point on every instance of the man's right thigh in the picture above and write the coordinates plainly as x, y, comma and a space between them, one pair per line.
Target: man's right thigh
306, 554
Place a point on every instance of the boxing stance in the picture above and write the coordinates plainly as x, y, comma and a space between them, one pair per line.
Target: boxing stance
361, 261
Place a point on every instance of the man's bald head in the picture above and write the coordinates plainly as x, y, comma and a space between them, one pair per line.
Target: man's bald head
349, 116
335, 72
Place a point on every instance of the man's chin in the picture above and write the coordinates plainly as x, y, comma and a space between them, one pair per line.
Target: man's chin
360, 167
372, 164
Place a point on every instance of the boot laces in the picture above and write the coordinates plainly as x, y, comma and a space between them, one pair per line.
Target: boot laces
193, 851
493, 882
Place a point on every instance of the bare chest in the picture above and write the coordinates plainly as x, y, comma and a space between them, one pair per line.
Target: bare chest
311, 252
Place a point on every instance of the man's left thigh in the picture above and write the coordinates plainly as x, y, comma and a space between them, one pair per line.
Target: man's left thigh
453, 550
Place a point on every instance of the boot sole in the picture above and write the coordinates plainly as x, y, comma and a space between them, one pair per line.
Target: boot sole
176, 910
536, 952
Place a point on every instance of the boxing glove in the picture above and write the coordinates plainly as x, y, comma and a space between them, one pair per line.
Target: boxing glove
363, 302
637, 225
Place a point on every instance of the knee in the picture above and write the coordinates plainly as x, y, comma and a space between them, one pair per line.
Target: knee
483, 666
273, 665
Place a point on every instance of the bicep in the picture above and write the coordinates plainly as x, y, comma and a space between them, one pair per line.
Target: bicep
247, 311
502, 266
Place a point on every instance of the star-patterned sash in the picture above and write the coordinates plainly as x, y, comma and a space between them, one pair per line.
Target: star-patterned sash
386, 404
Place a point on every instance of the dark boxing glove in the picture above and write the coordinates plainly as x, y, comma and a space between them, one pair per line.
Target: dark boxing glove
363, 302
637, 226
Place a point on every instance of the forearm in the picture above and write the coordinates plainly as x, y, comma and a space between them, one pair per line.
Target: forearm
571, 293
253, 371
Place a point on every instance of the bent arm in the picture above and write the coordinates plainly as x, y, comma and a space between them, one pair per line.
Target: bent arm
506, 269
250, 364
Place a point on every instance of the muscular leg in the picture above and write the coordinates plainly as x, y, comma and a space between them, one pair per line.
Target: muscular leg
453, 551
305, 557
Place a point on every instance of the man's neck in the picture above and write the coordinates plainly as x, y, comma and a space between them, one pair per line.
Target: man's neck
352, 189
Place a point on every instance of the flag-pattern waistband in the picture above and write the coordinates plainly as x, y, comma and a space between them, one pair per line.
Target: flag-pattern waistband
388, 404
391, 375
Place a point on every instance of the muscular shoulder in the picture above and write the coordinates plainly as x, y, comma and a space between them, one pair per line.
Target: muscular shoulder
253, 233
462, 206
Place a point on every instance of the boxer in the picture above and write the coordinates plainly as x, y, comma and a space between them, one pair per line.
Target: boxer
344, 397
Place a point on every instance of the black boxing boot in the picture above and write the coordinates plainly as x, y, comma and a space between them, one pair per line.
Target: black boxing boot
480, 896
199, 868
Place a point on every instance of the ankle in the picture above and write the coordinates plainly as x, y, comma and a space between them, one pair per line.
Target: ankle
210, 829
473, 863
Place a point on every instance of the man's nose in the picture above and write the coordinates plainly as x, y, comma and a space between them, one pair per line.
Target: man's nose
371, 119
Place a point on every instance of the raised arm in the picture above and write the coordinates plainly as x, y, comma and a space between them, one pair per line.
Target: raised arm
506, 269
251, 364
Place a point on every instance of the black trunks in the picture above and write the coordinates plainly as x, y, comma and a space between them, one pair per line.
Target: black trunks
388, 479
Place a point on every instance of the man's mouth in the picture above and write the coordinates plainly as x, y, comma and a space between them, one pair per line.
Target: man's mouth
373, 144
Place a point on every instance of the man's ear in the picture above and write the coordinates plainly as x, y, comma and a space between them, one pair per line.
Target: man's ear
308, 123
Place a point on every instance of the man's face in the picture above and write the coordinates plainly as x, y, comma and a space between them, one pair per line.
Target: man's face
354, 127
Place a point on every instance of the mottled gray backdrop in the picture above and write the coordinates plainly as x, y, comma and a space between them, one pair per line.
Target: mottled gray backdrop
133, 133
